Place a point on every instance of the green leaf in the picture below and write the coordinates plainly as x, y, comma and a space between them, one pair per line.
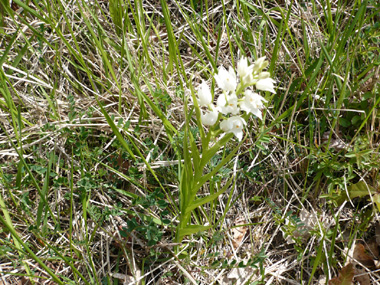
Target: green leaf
171, 37
192, 229
207, 155
115, 130
116, 14
317, 261
226, 160
19, 243
356, 120
376, 199
207, 199
359, 154
344, 122
33, 12
44, 192
360, 189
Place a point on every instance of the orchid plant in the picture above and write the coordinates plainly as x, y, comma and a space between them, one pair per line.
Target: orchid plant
227, 117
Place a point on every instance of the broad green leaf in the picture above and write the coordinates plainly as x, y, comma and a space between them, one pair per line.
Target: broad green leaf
344, 122
208, 176
360, 189
209, 198
355, 120
359, 154
192, 229
207, 155
376, 199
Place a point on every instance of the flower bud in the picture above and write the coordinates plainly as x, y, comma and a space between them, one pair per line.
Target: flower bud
260, 64
204, 94
264, 74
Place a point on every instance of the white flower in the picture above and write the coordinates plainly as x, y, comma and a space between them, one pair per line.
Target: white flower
226, 80
210, 117
252, 103
264, 75
204, 94
233, 125
266, 84
260, 64
228, 104
226, 126
245, 71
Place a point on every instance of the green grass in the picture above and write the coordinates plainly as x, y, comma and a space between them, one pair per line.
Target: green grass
93, 125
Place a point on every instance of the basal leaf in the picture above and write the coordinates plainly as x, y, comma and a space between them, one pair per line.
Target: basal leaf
192, 229
360, 189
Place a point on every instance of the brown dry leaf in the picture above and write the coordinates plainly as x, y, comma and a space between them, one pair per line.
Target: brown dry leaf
123, 164
238, 232
346, 274
372, 249
361, 256
361, 276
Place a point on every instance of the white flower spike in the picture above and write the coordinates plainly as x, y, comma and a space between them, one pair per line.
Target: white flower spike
204, 94
226, 80
234, 103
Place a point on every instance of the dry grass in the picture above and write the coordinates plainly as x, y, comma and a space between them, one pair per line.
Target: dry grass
80, 220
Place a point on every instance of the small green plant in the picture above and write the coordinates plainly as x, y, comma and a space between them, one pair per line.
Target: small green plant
162, 99
147, 225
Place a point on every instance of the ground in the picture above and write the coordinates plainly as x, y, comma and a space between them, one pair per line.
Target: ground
100, 136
